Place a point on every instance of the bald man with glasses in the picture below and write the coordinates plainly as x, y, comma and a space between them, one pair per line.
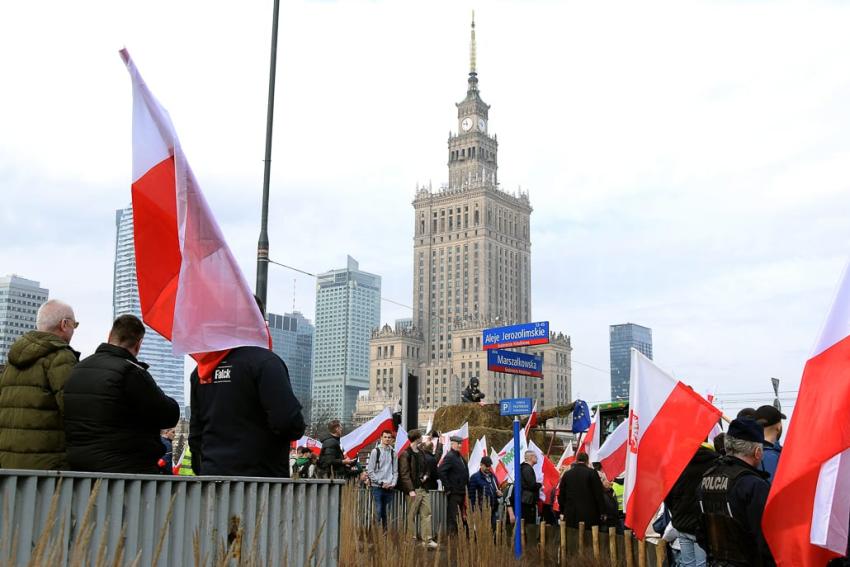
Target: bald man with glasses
32, 406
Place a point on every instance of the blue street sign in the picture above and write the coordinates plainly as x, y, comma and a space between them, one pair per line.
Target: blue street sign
511, 362
515, 406
526, 334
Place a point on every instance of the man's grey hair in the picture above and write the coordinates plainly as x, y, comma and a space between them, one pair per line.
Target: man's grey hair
739, 447
51, 313
529, 453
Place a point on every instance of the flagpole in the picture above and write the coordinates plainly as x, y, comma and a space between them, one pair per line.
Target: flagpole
263, 242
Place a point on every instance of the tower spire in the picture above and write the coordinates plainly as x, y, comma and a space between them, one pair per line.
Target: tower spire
472, 47
473, 73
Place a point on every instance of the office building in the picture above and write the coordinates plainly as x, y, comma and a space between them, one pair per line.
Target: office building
292, 340
20, 299
622, 339
348, 309
164, 366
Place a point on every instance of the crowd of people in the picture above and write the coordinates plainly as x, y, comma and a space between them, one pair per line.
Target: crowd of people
105, 413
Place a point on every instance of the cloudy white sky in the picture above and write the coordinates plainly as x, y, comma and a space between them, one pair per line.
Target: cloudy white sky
687, 161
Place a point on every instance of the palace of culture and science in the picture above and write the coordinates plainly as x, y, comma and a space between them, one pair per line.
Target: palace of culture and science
471, 271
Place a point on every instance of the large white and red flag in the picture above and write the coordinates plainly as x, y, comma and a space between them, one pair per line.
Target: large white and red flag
545, 471
191, 289
312, 444
667, 423
402, 442
532, 421
479, 451
612, 453
805, 519
354, 442
500, 471
463, 433
590, 441
568, 457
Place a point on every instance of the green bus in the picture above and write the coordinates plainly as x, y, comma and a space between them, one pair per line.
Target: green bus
611, 414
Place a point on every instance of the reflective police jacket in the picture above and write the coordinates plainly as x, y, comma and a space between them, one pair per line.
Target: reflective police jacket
732, 496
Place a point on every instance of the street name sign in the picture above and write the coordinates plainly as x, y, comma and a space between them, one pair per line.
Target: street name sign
526, 334
515, 406
511, 362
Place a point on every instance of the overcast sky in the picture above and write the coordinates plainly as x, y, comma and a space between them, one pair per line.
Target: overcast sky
687, 161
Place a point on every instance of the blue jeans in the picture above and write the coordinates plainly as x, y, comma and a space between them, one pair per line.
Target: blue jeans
383, 499
692, 554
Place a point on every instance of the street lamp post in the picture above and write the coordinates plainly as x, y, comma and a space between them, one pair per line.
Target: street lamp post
263, 242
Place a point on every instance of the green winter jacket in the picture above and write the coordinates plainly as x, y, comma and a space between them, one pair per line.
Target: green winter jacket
32, 434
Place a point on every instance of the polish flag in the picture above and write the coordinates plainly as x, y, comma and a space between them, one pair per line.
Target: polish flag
532, 421
612, 453
500, 471
401, 440
191, 289
667, 423
312, 444
805, 519
367, 433
567, 458
478, 453
462, 432
545, 471
590, 442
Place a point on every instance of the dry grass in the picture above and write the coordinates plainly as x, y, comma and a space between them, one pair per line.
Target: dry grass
369, 546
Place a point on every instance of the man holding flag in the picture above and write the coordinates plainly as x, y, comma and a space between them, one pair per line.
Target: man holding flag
192, 292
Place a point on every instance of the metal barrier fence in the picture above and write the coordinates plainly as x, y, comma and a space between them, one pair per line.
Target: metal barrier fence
397, 513
184, 520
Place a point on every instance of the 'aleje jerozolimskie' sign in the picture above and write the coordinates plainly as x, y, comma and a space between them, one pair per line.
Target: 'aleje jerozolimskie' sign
526, 334
511, 362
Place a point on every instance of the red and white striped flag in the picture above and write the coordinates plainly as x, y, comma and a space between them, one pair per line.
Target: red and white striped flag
500, 471
667, 423
401, 440
532, 421
479, 451
805, 519
590, 441
462, 432
191, 289
568, 457
612, 453
369, 432
312, 444
545, 471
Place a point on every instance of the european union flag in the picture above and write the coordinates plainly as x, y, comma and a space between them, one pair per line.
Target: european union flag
581, 416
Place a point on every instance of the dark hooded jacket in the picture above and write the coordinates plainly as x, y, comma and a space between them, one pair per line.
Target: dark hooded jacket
243, 420
682, 499
32, 434
114, 412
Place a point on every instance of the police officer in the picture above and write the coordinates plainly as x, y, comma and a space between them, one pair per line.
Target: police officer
732, 497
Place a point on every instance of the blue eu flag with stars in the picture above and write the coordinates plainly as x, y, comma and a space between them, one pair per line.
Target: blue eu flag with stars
581, 416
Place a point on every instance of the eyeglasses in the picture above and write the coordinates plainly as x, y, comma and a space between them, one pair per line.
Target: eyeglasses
75, 324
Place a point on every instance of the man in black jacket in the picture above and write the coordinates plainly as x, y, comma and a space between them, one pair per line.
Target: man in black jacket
114, 410
454, 474
530, 488
332, 461
683, 504
581, 494
244, 416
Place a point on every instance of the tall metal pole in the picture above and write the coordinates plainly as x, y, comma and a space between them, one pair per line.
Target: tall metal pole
263, 242
517, 480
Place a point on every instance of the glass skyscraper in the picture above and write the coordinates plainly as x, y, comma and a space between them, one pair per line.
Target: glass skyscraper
292, 340
348, 308
19, 302
165, 367
622, 339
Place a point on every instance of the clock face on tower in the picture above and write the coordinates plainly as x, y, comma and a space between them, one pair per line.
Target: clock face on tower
466, 124
481, 124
